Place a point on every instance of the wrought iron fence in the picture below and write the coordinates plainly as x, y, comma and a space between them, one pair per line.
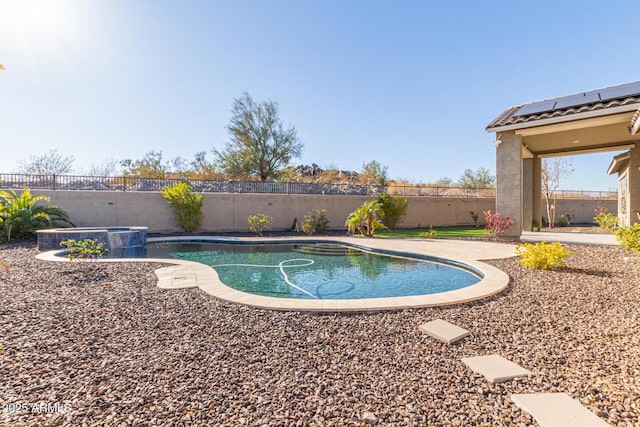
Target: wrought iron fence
127, 183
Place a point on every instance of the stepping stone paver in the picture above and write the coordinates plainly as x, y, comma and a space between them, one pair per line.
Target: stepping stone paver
444, 331
557, 410
494, 368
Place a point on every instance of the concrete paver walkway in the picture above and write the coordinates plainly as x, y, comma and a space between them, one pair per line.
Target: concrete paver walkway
557, 410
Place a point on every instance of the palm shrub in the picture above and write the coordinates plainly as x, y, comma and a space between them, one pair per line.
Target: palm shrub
186, 205
392, 209
315, 221
365, 219
23, 214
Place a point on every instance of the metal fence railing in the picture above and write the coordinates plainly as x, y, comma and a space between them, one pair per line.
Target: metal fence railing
128, 183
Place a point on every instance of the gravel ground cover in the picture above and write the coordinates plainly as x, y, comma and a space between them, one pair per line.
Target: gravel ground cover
107, 347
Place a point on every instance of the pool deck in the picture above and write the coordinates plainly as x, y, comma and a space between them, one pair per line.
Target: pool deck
187, 274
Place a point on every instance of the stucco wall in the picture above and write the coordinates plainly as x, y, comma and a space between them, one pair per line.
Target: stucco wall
229, 212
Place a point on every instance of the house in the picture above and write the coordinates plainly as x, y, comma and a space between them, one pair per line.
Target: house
599, 120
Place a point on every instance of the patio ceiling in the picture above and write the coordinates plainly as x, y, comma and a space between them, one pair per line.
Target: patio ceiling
598, 134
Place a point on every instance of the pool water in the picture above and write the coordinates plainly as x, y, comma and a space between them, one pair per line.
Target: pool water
318, 270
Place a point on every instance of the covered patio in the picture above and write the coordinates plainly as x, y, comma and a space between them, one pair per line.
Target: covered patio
600, 120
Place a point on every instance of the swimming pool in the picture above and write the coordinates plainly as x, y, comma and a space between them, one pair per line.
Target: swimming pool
315, 270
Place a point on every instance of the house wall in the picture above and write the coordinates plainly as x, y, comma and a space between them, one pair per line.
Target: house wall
225, 212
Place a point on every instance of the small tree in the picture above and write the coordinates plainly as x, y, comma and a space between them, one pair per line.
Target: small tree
260, 145
50, 163
186, 205
392, 209
552, 171
150, 166
376, 172
481, 178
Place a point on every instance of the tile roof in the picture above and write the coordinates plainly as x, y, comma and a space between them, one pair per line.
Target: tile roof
509, 117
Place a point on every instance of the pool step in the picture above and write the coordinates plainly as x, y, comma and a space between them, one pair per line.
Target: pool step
322, 249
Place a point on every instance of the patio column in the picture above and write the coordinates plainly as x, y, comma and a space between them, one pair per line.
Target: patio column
527, 192
536, 205
634, 187
509, 180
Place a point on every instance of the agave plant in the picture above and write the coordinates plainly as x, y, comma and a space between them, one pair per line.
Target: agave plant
21, 214
365, 219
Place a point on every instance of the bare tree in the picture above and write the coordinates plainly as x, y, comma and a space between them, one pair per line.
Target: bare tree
107, 168
49, 163
552, 171
150, 166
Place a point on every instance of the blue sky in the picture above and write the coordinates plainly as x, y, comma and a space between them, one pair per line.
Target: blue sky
411, 84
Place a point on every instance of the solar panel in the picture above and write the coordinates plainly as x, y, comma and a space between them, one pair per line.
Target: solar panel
590, 97
576, 100
620, 91
536, 107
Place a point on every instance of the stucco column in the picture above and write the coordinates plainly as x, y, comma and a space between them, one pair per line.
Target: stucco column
527, 193
536, 195
634, 186
509, 180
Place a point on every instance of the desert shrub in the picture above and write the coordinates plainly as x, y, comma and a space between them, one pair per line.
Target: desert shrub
186, 205
563, 221
605, 219
430, 234
392, 209
629, 238
496, 225
315, 222
20, 216
365, 219
84, 251
542, 255
258, 222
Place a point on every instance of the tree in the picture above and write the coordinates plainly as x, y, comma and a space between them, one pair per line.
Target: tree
150, 166
551, 172
49, 163
481, 178
107, 168
260, 145
445, 181
203, 168
375, 171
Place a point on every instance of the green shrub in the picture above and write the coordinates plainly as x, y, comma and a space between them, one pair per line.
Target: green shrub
258, 222
315, 222
563, 221
605, 219
474, 216
629, 238
186, 205
392, 209
85, 251
542, 255
19, 215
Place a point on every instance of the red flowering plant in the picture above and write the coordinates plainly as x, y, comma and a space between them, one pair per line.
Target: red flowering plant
496, 225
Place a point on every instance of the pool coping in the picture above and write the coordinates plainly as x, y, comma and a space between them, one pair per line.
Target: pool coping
188, 274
